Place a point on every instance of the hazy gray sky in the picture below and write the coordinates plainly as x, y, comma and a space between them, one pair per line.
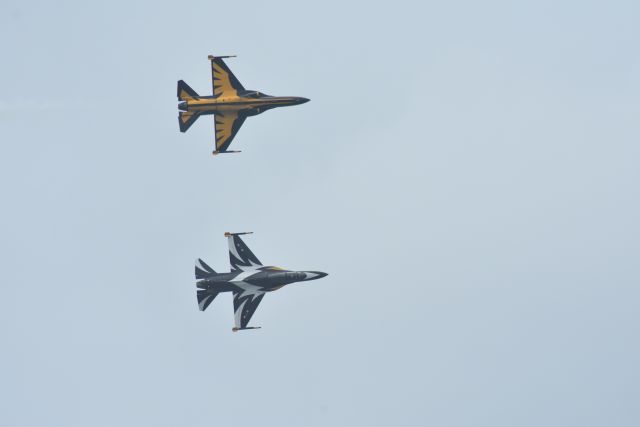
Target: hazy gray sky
467, 172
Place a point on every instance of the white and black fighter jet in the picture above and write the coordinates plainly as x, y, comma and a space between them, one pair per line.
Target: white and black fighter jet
249, 280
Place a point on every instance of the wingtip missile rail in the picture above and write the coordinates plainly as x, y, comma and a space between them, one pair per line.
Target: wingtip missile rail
227, 234
212, 57
216, 152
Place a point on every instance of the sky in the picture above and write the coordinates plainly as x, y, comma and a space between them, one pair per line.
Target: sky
466, 172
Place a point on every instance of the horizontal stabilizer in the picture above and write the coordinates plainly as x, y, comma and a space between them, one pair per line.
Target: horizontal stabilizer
185, 93
244, 329
186, 119
205, 298
203, 270
211, 57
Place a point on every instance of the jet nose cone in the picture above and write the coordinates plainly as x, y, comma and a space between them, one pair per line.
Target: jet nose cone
301, 100
313, 275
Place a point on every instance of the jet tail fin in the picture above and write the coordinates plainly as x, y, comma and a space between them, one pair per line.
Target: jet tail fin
205, 296
186, 119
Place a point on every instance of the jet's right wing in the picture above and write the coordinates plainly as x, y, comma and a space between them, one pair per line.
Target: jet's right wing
245, 304
240, 255
227, 126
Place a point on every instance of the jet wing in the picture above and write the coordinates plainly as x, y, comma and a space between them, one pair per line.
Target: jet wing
240, 255
227, 126
245, 304
225, 84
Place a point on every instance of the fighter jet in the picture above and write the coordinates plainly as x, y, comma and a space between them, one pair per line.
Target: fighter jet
230, 104
249, 281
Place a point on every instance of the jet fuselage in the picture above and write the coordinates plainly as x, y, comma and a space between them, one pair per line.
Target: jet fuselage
264, 279
251, 105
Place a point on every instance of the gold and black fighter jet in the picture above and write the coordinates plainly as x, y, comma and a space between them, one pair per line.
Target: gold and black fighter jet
230, 104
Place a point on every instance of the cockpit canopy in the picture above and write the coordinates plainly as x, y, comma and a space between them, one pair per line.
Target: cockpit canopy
255, 94
287, 276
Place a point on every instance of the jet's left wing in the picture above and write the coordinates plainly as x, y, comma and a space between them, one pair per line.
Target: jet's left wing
245, 304
227, 126
225, 84
240, 256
